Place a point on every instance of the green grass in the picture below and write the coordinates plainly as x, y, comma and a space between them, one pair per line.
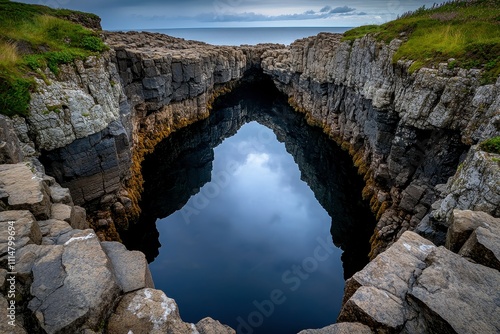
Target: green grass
468, 31
491, 145
35, 37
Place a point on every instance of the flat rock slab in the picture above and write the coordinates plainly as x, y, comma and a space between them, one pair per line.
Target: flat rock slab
23, 190
73, 285
457, 296
340, 328
130, 267
148, 311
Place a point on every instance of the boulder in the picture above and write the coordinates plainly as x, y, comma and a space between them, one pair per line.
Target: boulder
52, 230
73, 285
463, 223
148, 311
340, 328
211, 326
22, 190
457, 296
483, 246
130, 267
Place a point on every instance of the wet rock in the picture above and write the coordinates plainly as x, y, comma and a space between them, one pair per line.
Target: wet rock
22, 190
340, 328
211, 326
148, 311
130, 267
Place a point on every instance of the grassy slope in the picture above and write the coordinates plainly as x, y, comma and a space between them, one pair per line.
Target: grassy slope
468, 31
34, 37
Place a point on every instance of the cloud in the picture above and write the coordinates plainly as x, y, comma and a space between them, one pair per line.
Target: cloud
326, 9
341, 10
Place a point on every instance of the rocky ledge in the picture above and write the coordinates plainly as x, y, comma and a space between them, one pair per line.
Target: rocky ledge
66, 280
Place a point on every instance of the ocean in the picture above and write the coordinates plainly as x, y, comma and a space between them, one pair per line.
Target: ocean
239, 36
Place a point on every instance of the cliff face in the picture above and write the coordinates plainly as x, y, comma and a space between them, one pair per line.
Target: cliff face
92, 125
406, 132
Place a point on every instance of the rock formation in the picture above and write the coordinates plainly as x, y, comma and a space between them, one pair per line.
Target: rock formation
412, 137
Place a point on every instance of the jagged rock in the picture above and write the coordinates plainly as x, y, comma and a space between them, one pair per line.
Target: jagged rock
73, 285
130, 267
463, 223
148, 311
10, 148
474, 187
25, 231
340, 328
457, 296
23, 190
483, 246
211, 326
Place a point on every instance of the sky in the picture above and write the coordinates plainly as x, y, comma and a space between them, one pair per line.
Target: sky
162, 14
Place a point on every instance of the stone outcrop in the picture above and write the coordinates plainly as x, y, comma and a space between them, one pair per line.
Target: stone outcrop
416, 287
406, 132
67, 280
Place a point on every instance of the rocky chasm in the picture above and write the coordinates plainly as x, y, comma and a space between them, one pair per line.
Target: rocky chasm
413, 137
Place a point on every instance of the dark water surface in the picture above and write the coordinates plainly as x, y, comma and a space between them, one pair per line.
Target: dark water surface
245, 205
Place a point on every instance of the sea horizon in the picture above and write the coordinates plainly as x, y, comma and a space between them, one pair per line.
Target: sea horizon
235, 36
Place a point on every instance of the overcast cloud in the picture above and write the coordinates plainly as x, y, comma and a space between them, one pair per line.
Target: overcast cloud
151, 14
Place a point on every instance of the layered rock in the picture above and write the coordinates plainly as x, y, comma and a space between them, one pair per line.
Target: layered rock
406, 132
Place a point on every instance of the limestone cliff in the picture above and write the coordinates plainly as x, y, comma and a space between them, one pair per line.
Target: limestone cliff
406, 132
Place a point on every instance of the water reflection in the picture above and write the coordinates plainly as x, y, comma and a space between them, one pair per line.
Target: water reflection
253, 247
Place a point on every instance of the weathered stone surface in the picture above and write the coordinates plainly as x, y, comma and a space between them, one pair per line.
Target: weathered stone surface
73, 285
79, 218
25, 230
59, 194
61, 212
52, 230
340, 328
463, 223
211, 326
80, 102
457, 296
130, 267
475, 186
10, 147
23, 190
148, 311
483, 246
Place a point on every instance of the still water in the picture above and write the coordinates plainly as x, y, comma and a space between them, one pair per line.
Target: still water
245, 206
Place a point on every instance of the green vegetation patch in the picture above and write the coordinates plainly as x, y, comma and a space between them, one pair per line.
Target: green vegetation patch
34, 37
491, 145
467, 31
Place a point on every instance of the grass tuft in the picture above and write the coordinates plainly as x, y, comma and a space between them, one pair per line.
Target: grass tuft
467, 31
35, 37
491, 145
